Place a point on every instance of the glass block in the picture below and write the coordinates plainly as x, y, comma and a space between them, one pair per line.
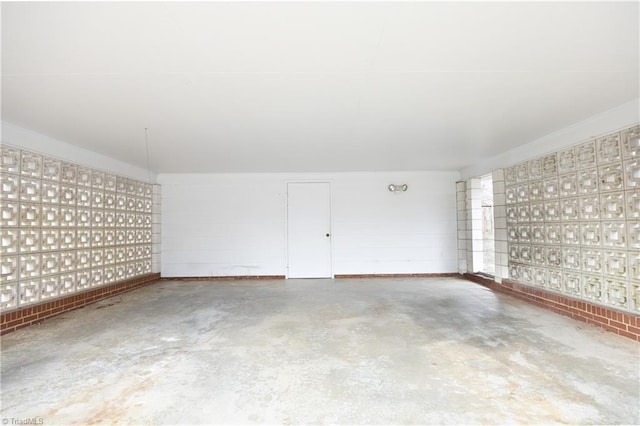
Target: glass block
535, 169
538, 234
615, 264
140, 204
146, 251
67, 238
524, 234
9, 241
8, 296
83, 238
121, 237
611, 178
109, 201
30, 189
571, 283
512, 214
31, 164
67, 216
9, 213
569, 209
121, 202
632, 174
130, 252
29, 291
83, 259
83, 279
131, 188
109, 256
554, 256
632, 205
97, 257
50, 192
635, 296
553, 233
10, 160
554, 277
514, 253
109, 237
634, 266
121, 185
51, 215
525, 254
633, 241
511, 195
139, 221
585, 155
592, 287
67, 283
570, 234
538, 255
68, 195
512, 233
522, 193
571, 258
550, 188
616, 292
539, 277
120, 272
84, 177
566, 161
522, 172
552, 211
131, 236
109, 182
121, 254
29, 214
51, 169
510, 176
587, 181
591, 261
83, 217
631, 143
524, 213
97, 277
131, 204
29, 266
97, 218
139, 252
29, 240
148, 190
130, 220
536, 191
109, 275
130, 271
50, 287
590, 234
568, 185
109, 219
612, 206
83, 197
589, 207
9, 187
50, 239
147, 221
69, 173
97, 199
608, 148
140, 188
549, 165
50, 263
614, 234
97, 237
9, 268
68, 261
148, 206
97, 179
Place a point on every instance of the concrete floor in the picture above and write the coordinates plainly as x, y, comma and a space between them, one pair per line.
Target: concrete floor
318, 351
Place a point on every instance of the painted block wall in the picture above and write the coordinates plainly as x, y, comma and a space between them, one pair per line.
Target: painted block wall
235, 224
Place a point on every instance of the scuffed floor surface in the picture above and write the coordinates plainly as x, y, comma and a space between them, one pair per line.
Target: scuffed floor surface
384, 351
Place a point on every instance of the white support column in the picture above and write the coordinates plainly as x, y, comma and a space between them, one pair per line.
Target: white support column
461, 203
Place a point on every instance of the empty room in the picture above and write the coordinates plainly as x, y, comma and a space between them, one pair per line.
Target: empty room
320, 212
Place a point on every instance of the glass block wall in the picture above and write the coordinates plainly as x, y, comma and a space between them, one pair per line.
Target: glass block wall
67, 228
573, 221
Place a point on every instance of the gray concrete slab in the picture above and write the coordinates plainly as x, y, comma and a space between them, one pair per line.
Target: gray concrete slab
401, 351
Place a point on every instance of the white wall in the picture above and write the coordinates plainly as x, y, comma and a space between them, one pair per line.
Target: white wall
235, 224
20, 137
621, 117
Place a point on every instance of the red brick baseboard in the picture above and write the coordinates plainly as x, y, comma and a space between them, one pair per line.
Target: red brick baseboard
621, 323
11, 321
425, 275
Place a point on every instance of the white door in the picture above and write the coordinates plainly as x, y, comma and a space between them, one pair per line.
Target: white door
309, 230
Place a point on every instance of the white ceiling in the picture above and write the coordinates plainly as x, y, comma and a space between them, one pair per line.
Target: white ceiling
351, 86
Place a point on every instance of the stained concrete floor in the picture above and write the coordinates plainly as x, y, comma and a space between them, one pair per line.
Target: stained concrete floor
399, 351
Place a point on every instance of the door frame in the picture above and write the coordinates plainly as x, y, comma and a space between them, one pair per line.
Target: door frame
286, 224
